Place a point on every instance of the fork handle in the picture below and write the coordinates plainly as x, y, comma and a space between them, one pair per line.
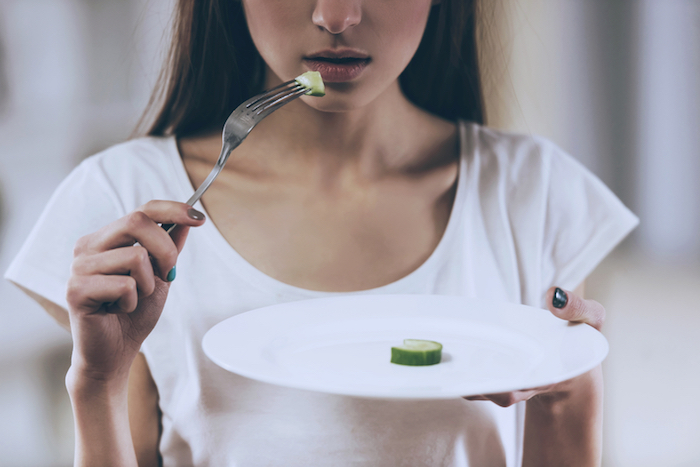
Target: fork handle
223, 157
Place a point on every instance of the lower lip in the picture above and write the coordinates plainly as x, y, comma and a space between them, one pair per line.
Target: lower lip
337, 72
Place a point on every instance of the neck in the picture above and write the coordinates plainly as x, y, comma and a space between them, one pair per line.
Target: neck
364, 136
387, 135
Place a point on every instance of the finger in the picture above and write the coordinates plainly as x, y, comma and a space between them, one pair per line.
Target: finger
136, 227
504, 400
131, 261
90, 294
569, 306
183, 216
142, 226
125, 231
507, 399
171, 212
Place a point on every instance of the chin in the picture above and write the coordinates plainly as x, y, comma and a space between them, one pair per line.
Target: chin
332, 104
343, 98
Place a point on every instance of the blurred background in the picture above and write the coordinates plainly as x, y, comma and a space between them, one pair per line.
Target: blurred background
614, 82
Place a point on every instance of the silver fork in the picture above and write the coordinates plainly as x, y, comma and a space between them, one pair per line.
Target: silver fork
240, 122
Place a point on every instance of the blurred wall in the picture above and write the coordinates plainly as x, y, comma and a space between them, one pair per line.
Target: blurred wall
615, 83
74, 77
668, 120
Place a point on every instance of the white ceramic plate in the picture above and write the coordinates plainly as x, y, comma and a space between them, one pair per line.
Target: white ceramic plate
342, 345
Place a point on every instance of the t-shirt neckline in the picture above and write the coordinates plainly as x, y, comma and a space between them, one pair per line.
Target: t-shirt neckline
241, 267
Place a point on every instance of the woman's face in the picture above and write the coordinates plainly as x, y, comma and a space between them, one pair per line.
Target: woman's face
360, 47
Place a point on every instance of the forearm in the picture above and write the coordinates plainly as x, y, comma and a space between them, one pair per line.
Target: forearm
564, 428
100, 411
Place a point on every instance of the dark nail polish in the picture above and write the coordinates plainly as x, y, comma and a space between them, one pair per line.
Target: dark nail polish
171, 274
560, 299
194, 214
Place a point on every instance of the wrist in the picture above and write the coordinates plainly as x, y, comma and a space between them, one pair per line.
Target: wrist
101, 417
82, 382
564, 427
576, 390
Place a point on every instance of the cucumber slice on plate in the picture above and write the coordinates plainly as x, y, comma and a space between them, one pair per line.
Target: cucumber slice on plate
312, 81
416, 352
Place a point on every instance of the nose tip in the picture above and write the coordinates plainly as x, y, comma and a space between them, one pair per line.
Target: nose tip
336, 16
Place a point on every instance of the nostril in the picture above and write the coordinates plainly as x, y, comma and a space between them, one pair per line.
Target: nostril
336, 17
335, 27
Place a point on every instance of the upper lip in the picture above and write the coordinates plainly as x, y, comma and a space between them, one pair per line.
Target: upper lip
338, 54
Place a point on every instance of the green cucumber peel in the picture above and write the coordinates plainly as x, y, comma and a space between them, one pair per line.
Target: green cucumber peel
312, 81
417, 352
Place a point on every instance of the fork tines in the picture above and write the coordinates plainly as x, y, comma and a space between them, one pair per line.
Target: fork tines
278, 95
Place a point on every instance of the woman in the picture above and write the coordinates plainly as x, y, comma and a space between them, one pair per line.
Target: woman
381, 186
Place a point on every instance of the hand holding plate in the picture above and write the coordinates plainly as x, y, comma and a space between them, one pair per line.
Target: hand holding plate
571, 307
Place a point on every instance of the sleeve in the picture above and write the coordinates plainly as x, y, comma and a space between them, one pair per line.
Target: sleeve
83, 203
584, 221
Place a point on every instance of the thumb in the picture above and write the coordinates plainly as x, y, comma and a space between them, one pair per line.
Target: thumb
567, 305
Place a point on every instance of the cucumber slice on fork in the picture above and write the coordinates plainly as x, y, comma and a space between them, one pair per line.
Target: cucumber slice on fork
313, 82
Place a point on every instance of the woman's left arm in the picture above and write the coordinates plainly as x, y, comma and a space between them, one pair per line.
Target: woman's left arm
563, 425
563, 422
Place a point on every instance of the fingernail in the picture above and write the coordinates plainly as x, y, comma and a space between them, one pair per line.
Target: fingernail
171, 274
560, 299
194, 214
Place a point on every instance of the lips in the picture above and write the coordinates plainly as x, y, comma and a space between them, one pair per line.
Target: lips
337, 66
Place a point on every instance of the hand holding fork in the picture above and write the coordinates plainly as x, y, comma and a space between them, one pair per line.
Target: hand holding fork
244, 118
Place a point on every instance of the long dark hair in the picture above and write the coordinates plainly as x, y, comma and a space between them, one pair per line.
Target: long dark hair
213, 66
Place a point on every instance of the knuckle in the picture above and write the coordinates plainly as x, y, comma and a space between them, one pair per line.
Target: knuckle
81, 246
127, 286
152, 204
137, 220
139, 256
77, 266
147, 288
128, 305
170, 257
166, 258
74, 291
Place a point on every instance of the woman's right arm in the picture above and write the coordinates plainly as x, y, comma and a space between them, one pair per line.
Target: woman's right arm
144, 412
116, 292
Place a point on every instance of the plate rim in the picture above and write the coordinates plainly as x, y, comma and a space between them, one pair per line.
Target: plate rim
597, 340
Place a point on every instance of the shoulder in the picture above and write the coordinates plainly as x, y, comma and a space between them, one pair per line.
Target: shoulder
525, 167
513, 153
133, 172
134, 155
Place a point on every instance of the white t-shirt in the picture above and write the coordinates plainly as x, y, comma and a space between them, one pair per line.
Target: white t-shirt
526, 216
